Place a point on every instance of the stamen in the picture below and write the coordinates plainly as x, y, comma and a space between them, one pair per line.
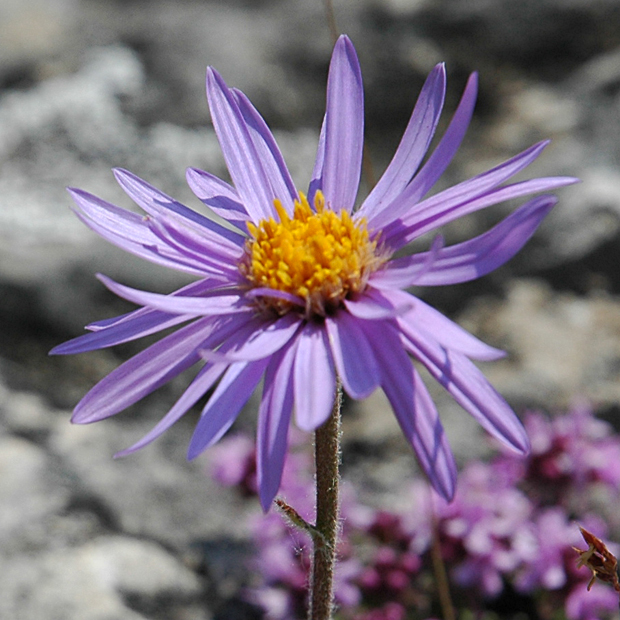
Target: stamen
318, 256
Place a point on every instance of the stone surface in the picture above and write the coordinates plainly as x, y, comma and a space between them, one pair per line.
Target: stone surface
100, 580
561, 347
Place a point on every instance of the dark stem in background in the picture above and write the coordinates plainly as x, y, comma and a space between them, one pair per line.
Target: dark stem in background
327, 456
331, 20
439, 570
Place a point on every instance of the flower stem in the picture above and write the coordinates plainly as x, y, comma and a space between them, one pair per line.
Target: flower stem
327, 456
439, 570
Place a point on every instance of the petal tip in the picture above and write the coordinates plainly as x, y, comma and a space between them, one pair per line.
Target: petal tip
266, 498
447, 491
80, 417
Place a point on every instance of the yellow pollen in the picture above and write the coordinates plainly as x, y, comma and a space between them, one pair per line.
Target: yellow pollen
319, 256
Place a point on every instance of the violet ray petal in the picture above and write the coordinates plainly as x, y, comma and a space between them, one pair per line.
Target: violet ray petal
268, 151
469, 388
127, 231
470, 188
344, 129
143, 373
471, 259
314, 378
255, 340
126, 331
155, 251
218, 196
446, 332
192, 246
206, 262
206, 186
353, 355
276, 294
223, 407
436, 163
373, 305
151, 368
430, 257
159, 205
126, 224
200, 287
413, 407
203, 381
316, 180
274, 418
409, 228
413, 145
448, 145
429, 430
209, 304
242, 158
100, 324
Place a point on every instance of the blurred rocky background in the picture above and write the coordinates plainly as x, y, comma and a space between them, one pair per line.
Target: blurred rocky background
87, 85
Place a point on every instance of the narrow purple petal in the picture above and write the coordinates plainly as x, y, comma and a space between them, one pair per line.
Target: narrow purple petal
413, 145
373, 305
263, 291
223, 407
197, 248
316, 179
413, 407
194, 288
220, 197
143, 373
447, 333
411, 227
257, 339
160, 205
447, 147
128, 231
273, 423
433, 449
344, 128
269, 152
471, 259
102, 324
151, 368
203, 381
143, 324
249, 175
314, 378
212, 302
468, 387
430, 258
466, 190
355, 361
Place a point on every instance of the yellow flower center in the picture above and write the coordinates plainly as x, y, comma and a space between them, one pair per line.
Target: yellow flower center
316, 259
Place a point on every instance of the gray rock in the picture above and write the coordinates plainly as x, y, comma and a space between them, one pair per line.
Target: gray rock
561, 347
30, 493
96, 582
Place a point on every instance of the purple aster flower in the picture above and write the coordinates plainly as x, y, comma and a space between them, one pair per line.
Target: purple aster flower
307, 288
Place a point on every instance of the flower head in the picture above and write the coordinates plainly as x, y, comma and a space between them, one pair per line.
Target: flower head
599, 560
307, 288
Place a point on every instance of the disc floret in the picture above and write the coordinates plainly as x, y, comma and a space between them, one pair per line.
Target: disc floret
316, 259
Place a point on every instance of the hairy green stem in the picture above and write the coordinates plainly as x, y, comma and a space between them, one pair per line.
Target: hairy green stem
327, 456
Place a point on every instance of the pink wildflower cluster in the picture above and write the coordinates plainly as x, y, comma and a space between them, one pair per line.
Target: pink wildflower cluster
507, 538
